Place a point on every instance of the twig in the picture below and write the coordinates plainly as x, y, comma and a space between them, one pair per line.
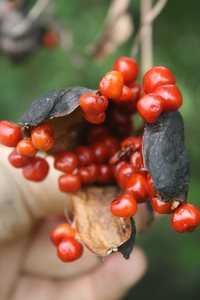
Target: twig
146, 42
150, 17
31, 17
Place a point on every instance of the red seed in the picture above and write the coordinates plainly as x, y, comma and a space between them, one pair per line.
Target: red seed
150, 107
69, 249
10, 134
157, 76
26, 147
111, 85
172, 97
17, 160
37, 170
85, 155
42, 136
66, 161
69, 183
93, 104
160, 206
98, 119
124, 206
60, 232
124, 173
89, 174
136, 186
128, 67
185, 218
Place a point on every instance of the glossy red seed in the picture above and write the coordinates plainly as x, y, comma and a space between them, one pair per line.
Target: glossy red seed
160, 206
119, 122
185, 218
66, 161
117, 165
85, 155
136, 160
136, 89
111, 85
96, 132
157, 76
150, 107
128, 67
60, 232
136, 186
10, 134
111, 143
93, 104
151, 191
69, 183
172, 97
105, 174
98, 119
69, 249
42, 136
26, 147
101, 151
89, 174
124, 173
17, 160
126, 97
37, 170
124, 206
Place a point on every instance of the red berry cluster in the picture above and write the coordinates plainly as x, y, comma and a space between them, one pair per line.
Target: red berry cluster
119, 86
25, 149
160, 94
131, 176
68, 247
108, 155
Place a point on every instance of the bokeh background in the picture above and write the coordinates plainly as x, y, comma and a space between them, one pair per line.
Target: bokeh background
174, 259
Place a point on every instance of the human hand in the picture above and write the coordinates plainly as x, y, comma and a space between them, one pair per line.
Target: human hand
29, 266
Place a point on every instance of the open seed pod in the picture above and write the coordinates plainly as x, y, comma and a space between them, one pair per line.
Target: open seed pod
61, 109
165, 157
98, 229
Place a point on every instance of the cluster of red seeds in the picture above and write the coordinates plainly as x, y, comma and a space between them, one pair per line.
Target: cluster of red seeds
109, 155
160, 94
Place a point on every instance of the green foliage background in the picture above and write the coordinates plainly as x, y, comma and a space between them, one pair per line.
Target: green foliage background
174, 262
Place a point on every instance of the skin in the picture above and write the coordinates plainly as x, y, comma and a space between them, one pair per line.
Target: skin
29, 267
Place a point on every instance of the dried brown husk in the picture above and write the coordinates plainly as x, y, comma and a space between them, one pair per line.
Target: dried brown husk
98, 229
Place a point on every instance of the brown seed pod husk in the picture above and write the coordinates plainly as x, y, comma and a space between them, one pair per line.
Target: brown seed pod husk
98, 229
165, 157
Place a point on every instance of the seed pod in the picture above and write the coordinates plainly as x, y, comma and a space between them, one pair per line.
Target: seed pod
61, 109
98, 229
165, 157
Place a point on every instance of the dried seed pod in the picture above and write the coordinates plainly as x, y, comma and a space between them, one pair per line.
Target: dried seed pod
56, 103
98, 229
61, 109
165, 157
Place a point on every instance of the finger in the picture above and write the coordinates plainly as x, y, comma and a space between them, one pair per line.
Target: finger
111, 281
11, 256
